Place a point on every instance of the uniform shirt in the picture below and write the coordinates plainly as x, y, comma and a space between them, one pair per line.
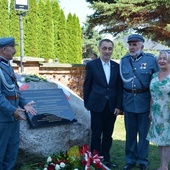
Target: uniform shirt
144, 66
8, 107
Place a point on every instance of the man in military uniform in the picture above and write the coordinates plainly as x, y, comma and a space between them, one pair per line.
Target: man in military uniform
12, 106
136, 70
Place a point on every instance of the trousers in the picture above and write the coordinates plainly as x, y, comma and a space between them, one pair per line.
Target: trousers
137, 147
102, 126
9, 144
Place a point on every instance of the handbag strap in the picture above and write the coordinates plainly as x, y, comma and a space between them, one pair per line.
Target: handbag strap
134, 71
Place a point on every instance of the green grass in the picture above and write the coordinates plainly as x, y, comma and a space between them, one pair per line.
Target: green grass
118, 149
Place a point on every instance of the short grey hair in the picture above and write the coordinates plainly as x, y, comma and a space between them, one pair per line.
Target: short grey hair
167, 53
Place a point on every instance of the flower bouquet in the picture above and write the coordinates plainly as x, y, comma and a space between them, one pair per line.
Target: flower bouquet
74, 159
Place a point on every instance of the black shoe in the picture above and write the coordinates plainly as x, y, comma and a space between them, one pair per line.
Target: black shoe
143, 167
129, 166
110, 164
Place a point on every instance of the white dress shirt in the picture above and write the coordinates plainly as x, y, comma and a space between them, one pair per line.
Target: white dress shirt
106, 68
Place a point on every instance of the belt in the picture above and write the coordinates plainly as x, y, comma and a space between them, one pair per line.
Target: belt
135, 91
12, 97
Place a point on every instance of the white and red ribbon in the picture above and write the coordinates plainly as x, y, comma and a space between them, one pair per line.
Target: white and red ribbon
89, 158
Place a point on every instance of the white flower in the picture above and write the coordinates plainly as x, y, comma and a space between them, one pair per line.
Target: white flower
57, 167
76, 169
49, 159
45, 169
62, 165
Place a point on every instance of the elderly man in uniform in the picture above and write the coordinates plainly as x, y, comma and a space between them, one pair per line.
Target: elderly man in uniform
136, 70
12, 106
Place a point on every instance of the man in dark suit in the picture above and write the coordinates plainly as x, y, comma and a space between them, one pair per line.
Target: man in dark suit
102, 91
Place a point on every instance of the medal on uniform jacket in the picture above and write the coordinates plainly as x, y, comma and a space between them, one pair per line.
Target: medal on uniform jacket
143, 65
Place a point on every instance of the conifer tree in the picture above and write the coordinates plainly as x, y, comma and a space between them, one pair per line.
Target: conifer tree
149, 18
48, 31
119, 50
91, 38
78, 42
62, 39
4, 19
40, 29
30, 30
56, 22
71, 40
44, 29
14, 26
74, 39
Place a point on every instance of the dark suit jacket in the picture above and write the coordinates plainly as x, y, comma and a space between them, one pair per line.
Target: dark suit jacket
97, 92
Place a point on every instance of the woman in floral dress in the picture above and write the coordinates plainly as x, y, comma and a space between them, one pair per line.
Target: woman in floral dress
159, 132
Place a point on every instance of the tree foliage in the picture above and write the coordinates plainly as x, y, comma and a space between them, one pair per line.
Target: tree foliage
147, 17
56, 24
108, 1
45, 30
119, 50
4, 18
48, 45
40, 26
74, 40
91, 38
14, 25
30, 30
62, 39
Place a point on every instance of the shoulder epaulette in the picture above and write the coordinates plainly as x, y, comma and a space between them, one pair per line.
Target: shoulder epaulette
150, 54
125, 56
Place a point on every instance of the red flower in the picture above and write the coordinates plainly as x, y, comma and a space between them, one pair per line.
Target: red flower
84, 162
51, 167
40, 164
98, 164
85, 159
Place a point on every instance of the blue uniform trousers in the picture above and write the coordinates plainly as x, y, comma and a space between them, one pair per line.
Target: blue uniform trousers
9, 144
102, 125
137, 147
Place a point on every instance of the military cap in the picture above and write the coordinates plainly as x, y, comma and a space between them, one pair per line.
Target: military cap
7, 41
135, 37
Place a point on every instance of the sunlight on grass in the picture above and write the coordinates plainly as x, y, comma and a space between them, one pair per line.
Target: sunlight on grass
119, 130
118, 148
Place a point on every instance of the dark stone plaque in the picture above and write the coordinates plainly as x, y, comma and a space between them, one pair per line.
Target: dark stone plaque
52, 106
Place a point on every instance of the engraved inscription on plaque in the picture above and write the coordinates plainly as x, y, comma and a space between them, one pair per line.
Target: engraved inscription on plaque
52, 106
